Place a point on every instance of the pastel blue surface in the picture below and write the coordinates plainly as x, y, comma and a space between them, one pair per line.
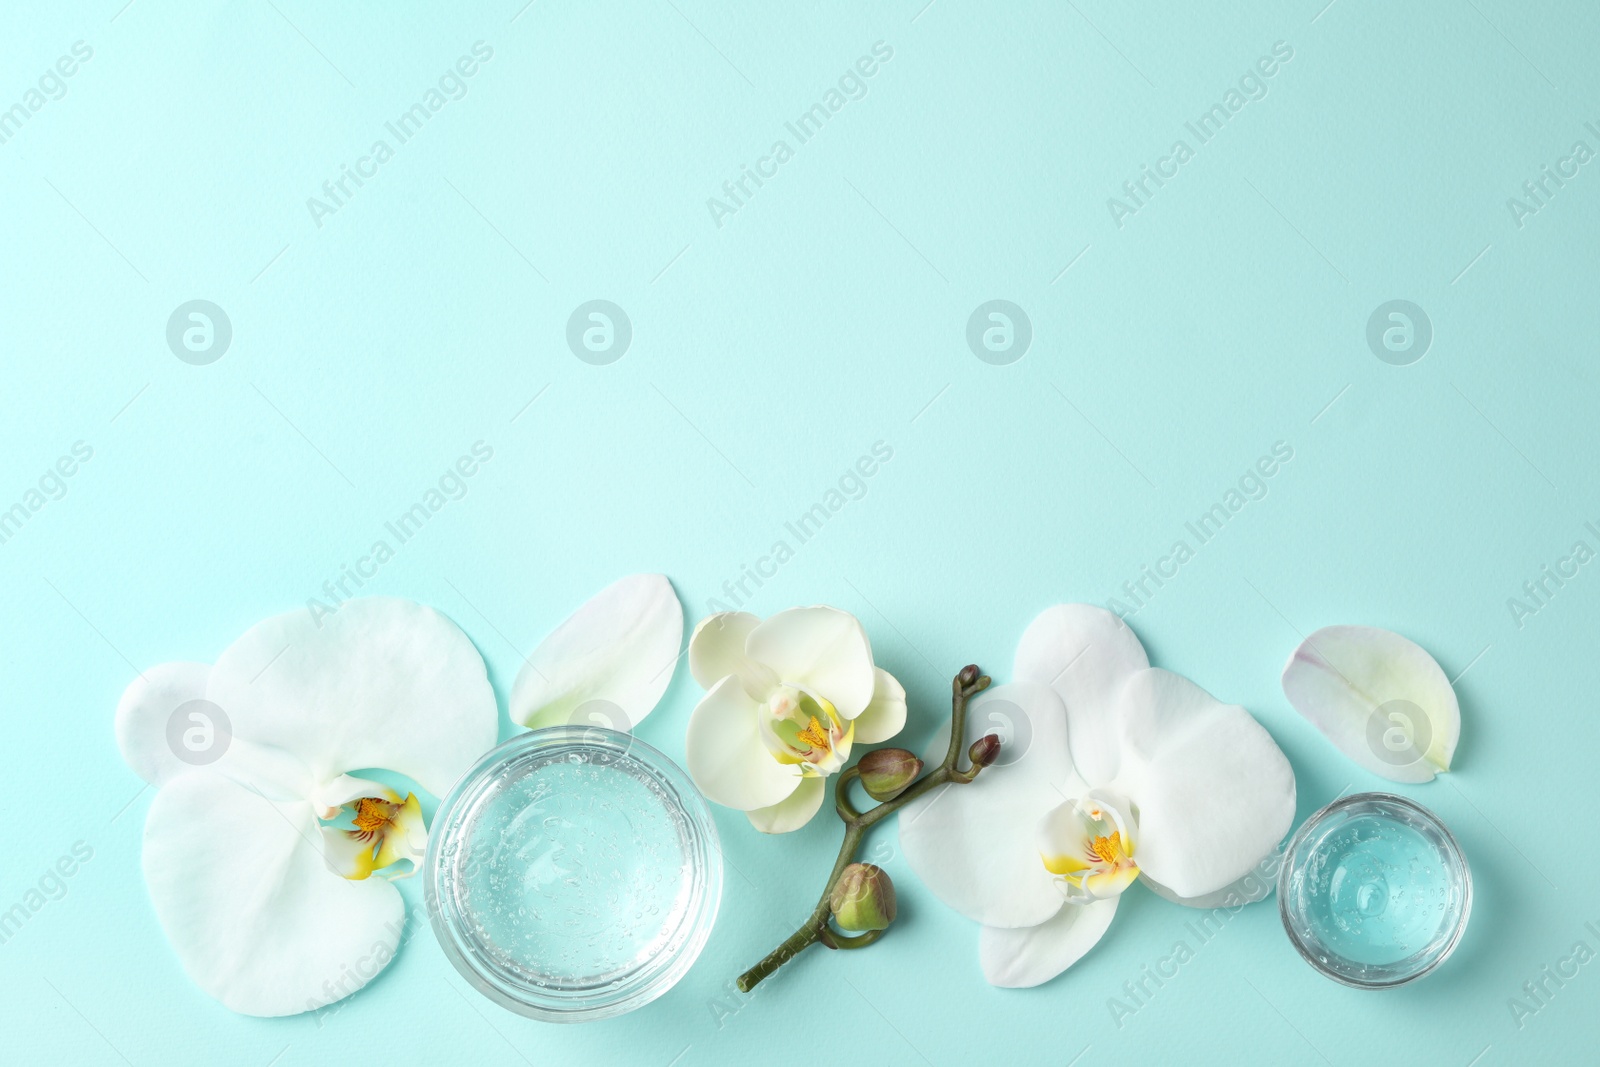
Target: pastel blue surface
1176, 337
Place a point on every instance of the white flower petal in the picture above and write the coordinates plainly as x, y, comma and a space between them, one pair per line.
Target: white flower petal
726, 757
1214, 793
621, 648
166, 726
1379, 697
1029, 956
822, 650
1085, 653
244, 894
1258, 885
328, 799
717, 649
145, 711
381, 682
885, 715
794, 811
974, 845
271, 771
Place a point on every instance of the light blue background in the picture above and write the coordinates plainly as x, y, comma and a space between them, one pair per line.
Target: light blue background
768, 354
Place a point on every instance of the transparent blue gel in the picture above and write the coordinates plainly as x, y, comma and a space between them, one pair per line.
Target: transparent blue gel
573, 874
577, 870
1375, 891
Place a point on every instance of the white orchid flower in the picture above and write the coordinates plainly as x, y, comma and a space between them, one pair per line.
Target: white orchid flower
1379, 697
786, 699
259, 845
1110, 772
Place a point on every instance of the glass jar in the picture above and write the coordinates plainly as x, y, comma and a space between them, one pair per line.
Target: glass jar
1374, 891
573, 873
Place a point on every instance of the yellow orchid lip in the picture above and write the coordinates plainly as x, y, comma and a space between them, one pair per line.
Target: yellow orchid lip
1063, 863
383, 831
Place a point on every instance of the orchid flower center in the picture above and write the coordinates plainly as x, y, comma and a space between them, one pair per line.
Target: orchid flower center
802, 729
814, 735
1087, 846
372, 816
1107, 849
371, 833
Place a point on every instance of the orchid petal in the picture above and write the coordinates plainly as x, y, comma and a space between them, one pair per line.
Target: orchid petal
1258, 885
620, 648
329, 798
726, 757
406, 839
1085, 653
1380, 698
717, 649
1214, 793
165, 726
792, 812
145, 712
822, 650
1031, 955
973, 844
242, 889
885, 715
1102, 885
381, 682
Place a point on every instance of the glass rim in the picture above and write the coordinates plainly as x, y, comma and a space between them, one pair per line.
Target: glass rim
1452, 853
659, 974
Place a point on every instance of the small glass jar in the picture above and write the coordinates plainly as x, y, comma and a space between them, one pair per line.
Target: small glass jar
1374, 891
573, 873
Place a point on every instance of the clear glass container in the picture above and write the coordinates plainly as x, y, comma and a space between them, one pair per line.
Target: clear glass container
1374, 891
573, 873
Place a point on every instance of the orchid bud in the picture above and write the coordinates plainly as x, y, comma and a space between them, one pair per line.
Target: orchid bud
968, 675
862, 899
985, 750
886, 772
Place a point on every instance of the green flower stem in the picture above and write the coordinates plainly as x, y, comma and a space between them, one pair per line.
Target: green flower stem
967, 684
